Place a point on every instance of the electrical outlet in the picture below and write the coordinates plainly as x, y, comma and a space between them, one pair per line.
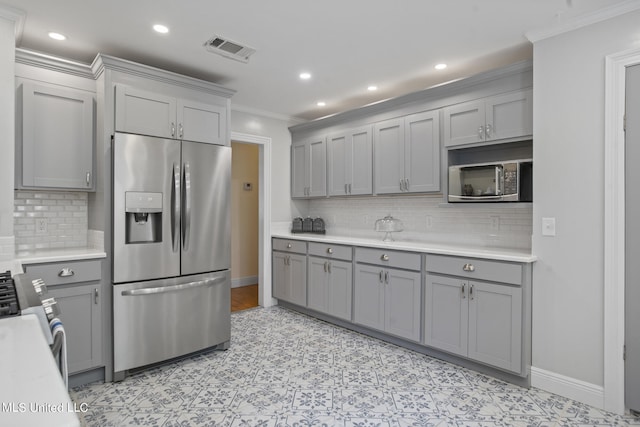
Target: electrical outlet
548, 226
41, 225
495, 222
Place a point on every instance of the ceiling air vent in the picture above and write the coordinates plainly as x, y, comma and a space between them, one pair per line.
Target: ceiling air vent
229, 49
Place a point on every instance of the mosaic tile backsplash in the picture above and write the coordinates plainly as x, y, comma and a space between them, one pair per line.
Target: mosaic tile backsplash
50, 220
428, 218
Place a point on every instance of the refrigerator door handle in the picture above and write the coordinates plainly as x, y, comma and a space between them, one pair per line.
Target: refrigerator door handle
186, 217
173, 288
175, 211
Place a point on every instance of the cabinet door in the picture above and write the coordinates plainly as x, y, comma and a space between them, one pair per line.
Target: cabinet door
145, 113
369, 296
81, 316
446, 314
298, 279
317, 288
339, 154
57, 137
202, 122
495, 325
389, 155
360, 162
422, 152
340, 287
317, 168
464, 123
402, 304
509, 115
281, 279
299, 170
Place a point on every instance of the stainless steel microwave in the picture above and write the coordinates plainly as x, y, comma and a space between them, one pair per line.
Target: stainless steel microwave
510, 181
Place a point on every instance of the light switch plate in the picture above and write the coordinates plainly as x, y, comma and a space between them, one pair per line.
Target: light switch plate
548, 226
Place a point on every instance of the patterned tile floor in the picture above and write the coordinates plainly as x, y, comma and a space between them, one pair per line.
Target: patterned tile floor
287, 369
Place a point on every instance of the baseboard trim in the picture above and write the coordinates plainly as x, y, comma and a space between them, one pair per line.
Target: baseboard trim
572, 388
244, 281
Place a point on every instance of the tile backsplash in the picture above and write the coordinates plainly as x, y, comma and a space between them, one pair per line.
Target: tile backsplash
427, 218
50, 220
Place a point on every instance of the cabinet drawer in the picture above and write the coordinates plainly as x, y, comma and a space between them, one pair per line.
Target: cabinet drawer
387, 258
63, 273
330, 251
474, 268
295, 246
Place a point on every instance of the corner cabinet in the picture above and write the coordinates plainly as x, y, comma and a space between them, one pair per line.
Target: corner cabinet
498, 117
474, 309
407, 154
309, 168
155, 114
350, 162
289, 264
55, 137
76, 287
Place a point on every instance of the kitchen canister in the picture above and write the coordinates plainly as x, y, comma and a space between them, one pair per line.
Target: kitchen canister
307, 225
296, 226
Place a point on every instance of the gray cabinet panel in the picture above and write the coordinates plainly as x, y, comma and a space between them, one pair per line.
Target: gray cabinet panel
422, 153
285, 245
317, 168
330, 286
330, 251
309, 168
495, 325
145, 113
464, 123
299, 171
389, 156
361, 161
55, 137
368, 304
66, 273
389, 258
317, 285
402, 304
474, 268
290, 277
446, 314
202, 122
350, 162
339, 155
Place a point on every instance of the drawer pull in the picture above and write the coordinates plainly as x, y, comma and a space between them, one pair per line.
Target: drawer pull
329, 251
66, 272
469, 267
384, 257
289, 246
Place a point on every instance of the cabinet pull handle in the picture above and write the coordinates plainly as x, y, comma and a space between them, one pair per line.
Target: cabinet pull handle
88, 179
180, 130
481, 132
346, 189
288, 245
66, 272
402, 185
325, 266
386, 277
330, 251
406, 184
463, 294
349, 188
329, 267
471, 292
380, 276
173, 129
95, 296
488, 130
469, 267
384, 257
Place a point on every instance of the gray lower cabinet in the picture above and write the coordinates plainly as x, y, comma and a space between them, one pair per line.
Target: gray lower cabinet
330, 286
55, 134
290, 271
76, 287
477, 319
385, 298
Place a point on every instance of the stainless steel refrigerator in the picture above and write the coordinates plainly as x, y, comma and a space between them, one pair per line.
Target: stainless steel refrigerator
171, 249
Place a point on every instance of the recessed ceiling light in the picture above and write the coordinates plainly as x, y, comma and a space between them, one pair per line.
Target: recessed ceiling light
372, 88
440, 66
57, 36
305, 76
162, 29
321, 104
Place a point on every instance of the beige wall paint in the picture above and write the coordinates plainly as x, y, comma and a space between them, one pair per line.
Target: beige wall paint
244, 210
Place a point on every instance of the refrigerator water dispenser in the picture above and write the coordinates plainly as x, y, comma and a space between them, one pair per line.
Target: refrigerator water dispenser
143, 217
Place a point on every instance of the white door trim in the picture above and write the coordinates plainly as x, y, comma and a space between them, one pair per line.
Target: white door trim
614, 229
264, 215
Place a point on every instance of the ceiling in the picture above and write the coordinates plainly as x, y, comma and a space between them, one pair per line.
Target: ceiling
346, 45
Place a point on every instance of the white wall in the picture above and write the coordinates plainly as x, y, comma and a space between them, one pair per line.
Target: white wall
282, 207
7, 142
568, 282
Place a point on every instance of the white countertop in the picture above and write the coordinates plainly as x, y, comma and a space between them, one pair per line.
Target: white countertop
32, 392
53, 255
499, 254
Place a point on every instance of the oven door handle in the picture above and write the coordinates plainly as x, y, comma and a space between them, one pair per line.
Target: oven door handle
173, 288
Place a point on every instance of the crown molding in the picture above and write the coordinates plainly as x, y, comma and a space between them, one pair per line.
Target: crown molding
269, 114
583, 20
17, 16
54, 63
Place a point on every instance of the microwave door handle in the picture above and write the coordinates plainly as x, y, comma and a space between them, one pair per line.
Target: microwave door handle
175, 208
186, 218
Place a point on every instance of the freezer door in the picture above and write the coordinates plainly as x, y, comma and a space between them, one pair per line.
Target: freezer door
146, 208
206, 200
162, 319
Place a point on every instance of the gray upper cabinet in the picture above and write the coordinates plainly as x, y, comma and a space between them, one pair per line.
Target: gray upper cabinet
498, 117
55, 137
407, 154
155, 114
309, 168
350, 162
